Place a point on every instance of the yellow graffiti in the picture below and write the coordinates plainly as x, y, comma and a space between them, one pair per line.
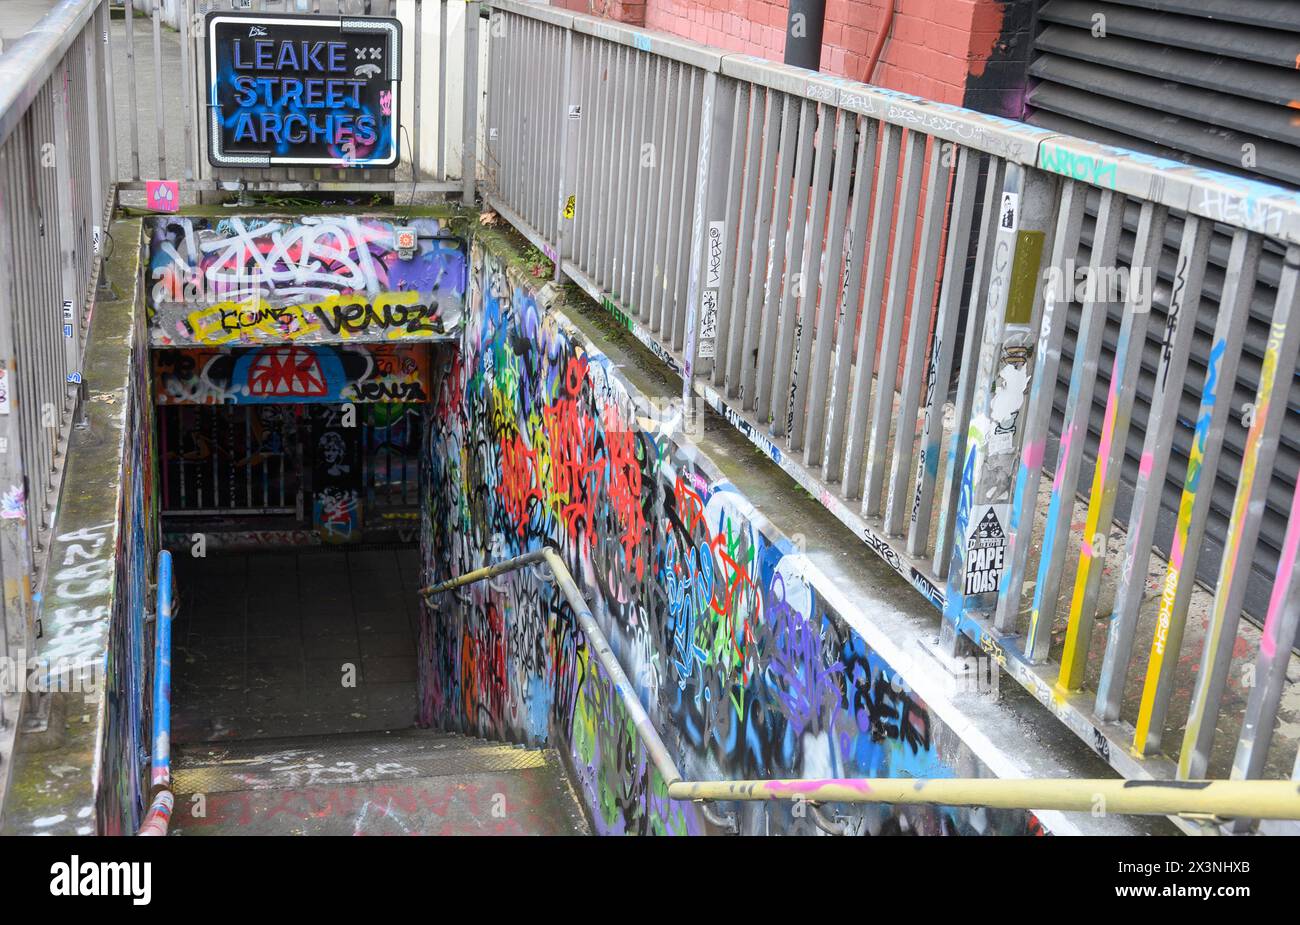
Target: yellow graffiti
343, 316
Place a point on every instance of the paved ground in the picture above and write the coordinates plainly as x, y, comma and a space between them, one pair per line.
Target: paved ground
266, 643
17, 16
411, 783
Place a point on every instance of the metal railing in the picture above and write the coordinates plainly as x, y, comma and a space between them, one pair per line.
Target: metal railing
824, 262
56, 180
1220, 799
160, 764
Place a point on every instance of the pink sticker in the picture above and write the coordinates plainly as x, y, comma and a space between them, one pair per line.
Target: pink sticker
162, 195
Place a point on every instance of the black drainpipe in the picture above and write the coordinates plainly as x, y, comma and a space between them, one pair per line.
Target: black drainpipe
803, 33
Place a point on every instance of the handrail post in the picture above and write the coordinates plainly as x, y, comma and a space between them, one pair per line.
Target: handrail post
704, 280
1012, 308
160, 773
469, 126
572, 110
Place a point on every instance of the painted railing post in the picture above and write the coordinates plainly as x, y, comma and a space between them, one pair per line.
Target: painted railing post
15, 545
1265, 432
708, 231
1025, 212
69, 317
469, 112
571, 105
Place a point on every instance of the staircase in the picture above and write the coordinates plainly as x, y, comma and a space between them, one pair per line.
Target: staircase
407, 782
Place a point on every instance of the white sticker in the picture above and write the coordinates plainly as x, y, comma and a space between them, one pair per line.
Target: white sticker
1009, 214
713, 270
709, 315
4, 391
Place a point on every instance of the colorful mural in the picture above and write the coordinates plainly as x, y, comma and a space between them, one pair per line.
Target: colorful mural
743, 666
315, 279
291, 374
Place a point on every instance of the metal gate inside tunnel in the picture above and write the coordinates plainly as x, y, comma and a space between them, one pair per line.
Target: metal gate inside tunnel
291, 445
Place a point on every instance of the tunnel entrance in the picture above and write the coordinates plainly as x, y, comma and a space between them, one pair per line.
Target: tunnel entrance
289, 483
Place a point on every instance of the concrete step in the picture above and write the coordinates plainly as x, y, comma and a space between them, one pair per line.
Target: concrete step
402, 782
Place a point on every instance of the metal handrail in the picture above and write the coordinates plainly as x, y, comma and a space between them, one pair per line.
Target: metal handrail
1252, 799
160, 770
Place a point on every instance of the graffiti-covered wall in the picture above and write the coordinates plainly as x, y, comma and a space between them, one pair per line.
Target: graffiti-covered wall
719, 622
213, 282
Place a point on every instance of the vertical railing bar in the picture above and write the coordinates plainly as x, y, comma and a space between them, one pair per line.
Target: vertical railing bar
661, 312
441, 149
94, 163
676, 334
103, 23
806, 220
925, 290
413, 96
708, 203
1258, 455
133, 106
741, 264
662, 170
1194, 504
759, 311
972, 337
628, 218
1144, 511
807, 430
187, 88
737, 218
900, 272
586, 98
815, 273
1271, 660
605, 164
158, 91
642, 201
568, 159
67, 235
855, 250
792, 209
469, 110
594, 155
942, 350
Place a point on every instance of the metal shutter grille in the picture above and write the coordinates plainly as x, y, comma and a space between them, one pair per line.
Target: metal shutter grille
1193, 80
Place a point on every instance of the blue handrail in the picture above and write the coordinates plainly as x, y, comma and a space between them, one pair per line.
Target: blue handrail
160, 772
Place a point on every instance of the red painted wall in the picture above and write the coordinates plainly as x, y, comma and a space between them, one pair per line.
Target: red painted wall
938, 49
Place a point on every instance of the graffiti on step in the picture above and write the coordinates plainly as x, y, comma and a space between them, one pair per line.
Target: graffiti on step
317, 279
291, 374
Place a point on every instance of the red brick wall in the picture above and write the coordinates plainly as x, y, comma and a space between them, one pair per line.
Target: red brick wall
937, 48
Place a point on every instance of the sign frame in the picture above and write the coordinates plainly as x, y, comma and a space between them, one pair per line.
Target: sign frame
390, 29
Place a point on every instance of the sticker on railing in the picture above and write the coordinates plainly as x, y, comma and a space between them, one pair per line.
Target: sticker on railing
1009, 214
985, 548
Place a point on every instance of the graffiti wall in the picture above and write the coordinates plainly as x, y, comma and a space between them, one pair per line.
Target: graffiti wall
742, 665
213, 282
291, 374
